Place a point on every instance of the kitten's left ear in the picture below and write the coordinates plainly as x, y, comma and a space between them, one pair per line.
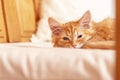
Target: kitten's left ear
54, 26
86, 20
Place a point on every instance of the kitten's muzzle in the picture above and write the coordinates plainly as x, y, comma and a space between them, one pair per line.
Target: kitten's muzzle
74, 46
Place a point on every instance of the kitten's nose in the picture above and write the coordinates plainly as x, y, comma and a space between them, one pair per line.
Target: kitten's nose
74, 46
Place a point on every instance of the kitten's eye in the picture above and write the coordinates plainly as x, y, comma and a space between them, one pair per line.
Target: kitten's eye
66, 38
79, 36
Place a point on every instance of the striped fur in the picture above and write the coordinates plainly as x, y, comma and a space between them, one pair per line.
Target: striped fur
75, 34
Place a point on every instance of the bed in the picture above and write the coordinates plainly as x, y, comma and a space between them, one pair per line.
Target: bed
26, 50
31, 61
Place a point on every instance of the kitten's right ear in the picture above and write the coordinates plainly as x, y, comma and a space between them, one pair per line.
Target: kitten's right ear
86, 20
54, 26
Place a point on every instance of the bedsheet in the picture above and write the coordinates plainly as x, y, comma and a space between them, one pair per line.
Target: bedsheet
39, 61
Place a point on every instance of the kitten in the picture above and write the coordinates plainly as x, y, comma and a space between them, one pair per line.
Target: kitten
83, 33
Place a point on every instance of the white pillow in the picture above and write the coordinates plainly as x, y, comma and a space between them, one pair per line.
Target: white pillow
68, 10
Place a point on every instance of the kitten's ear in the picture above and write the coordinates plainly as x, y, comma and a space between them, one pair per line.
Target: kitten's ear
86, 20
54, 26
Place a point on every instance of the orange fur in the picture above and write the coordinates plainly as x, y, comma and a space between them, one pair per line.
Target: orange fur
83, 32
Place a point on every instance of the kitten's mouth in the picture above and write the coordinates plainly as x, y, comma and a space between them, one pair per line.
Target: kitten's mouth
78, 46
74, 46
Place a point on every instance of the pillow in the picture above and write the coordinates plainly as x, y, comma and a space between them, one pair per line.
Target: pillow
68, 10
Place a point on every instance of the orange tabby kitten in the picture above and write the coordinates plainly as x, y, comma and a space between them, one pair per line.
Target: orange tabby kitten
83, 33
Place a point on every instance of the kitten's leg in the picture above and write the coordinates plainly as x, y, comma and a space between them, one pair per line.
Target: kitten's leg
100, 45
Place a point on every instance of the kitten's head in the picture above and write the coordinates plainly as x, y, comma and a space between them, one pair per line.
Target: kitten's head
71, 34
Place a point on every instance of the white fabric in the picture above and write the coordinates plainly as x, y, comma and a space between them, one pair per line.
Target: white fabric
28, 61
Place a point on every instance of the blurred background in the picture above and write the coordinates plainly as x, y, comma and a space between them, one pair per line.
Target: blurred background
20, 19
